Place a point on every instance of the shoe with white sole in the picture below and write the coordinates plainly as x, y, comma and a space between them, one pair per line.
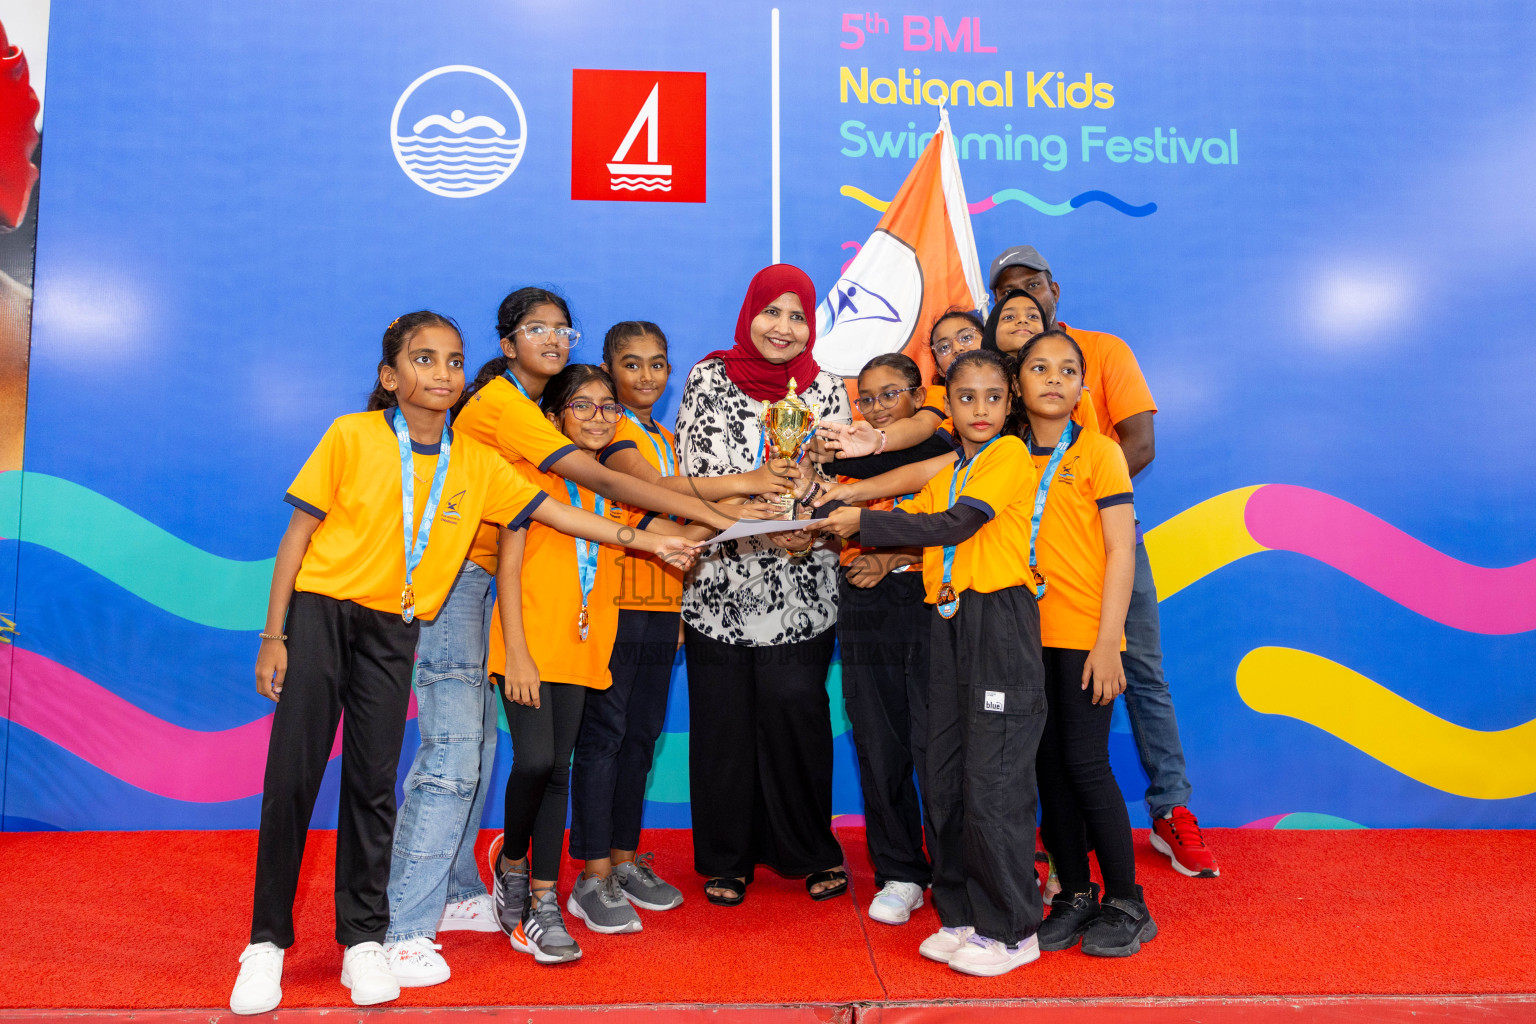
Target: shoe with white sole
987, 958
894, 903
476, 914
643, 887
365, 971
259, 988
416, 963
943, 944
601, 905
542, 933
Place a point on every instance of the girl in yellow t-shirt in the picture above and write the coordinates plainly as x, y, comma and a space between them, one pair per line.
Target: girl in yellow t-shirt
1085, 548
571, 592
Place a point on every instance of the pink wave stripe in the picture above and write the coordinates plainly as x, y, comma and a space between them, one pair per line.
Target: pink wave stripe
129, 743
982, 205
1467, 597
1269, 822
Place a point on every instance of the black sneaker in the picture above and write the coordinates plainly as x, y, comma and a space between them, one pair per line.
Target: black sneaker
1070, 917
1121, 928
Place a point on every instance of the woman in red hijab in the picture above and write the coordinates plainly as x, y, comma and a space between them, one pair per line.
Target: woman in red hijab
758, 618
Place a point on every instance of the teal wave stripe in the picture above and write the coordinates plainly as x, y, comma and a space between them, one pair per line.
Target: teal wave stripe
134, 553
1018, 195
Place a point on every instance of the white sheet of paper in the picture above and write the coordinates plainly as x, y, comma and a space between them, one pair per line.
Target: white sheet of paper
756, 527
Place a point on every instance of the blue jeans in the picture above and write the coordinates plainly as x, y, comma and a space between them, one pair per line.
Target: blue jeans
434, 851
1147, 701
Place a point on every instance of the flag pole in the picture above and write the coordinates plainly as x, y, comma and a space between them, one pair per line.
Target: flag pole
775, 131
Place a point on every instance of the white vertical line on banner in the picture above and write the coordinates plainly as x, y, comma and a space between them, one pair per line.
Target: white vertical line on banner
774, 35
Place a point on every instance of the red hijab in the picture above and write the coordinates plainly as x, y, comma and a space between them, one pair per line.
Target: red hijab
744, 364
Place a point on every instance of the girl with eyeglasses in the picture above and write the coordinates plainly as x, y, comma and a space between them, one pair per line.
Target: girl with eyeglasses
956, 332
435, 884
882, 631
571, 592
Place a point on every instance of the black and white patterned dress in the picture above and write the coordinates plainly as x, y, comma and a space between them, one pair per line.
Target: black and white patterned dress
748, 591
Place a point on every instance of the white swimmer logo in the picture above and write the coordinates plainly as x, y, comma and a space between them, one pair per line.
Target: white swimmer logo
458, 155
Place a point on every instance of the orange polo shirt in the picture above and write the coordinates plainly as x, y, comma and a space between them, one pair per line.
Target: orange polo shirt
648, 583
1114, 379
551, 587
510, 422
351, 483
1001, 483
1070, 547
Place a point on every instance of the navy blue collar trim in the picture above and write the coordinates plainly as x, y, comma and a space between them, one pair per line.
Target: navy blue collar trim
1077, 435
416, 446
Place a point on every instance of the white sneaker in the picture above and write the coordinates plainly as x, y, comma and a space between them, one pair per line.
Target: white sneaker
942, 944
416, 963
259, 987
988, 958
365, 971
476, 914
894, 904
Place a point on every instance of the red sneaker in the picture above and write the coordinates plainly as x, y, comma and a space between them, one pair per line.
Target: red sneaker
1178, 837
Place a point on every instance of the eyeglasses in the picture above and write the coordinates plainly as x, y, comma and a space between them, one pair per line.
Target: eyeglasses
963, 342
565, 337
884, 399
585, 409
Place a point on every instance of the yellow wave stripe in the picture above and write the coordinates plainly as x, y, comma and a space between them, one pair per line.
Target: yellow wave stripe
852, 192
1398, 733
1200, 540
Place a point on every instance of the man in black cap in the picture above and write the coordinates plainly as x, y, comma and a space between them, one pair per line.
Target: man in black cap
1125, 410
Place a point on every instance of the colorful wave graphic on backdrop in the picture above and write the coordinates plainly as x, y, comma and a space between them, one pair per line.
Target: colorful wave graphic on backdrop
178, 763
1018, 195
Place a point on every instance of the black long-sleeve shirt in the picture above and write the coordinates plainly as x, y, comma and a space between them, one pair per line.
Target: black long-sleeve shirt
867, 466
920, 529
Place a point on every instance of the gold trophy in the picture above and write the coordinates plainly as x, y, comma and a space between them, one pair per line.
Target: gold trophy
787, 425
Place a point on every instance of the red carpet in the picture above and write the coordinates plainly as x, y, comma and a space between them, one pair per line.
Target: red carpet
156, 920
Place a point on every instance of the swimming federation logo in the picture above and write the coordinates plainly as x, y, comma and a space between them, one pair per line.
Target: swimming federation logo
458, 131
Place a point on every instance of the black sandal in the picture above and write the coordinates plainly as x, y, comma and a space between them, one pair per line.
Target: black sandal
831, 875
735, 886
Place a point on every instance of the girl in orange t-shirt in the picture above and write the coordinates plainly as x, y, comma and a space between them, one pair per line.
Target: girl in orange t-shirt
1083, 535
570, 591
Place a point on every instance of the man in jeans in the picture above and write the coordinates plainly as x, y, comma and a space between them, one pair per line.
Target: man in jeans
1125, 409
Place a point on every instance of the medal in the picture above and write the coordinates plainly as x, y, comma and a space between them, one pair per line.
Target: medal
948, 600
586, 558
416, 546
1042, 490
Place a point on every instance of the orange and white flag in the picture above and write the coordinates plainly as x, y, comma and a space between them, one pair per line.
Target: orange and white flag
918, 265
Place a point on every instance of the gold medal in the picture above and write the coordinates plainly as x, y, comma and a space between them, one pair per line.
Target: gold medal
408, 603
949, 601
581, 624
1040, 584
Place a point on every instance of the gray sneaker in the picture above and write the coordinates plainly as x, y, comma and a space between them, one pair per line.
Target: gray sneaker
643, 888
601, 904
510, 896
542, 932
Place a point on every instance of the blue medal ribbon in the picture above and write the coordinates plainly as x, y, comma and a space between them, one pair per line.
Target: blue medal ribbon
415, 548
1042, 491
949, 601
517, 384
586, 556
663, 447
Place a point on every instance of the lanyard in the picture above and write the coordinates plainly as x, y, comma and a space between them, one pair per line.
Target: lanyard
517, 384
949, 601
586, 556
414, 549
663, 447
1042, 490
